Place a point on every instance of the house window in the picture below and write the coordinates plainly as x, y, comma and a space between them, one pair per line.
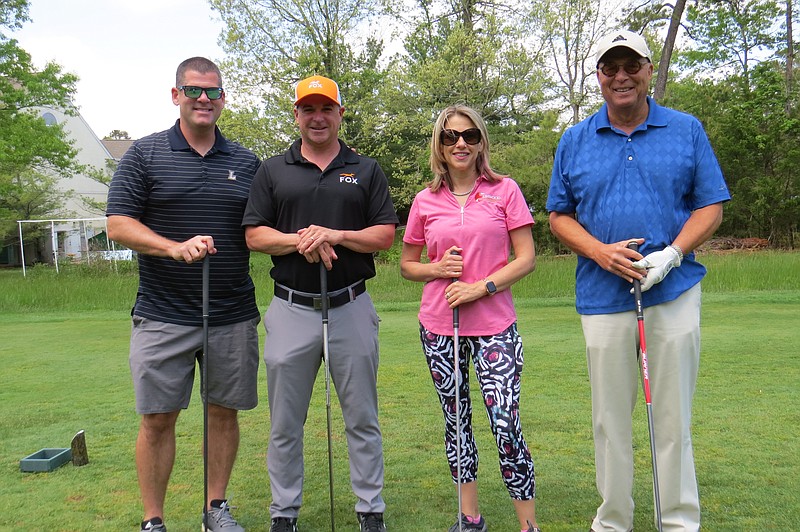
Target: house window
49, 119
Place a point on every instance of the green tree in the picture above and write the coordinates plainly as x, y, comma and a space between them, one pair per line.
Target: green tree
102, 176
758, 146
29, 195
25, 139
529, 160
117, 134
474, 52
571, 30
13, 13
29, 148
272, 44
729, 35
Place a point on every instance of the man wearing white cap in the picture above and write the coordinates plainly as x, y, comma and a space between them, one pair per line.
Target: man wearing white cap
638, 172
321, 202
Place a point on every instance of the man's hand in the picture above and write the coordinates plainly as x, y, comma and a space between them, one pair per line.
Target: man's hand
194, 249
657, 265
316, 244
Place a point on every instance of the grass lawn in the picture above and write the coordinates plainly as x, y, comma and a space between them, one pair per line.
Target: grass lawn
64, 359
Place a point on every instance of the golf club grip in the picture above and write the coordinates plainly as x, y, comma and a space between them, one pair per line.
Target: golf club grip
323, 290
637, 286
206, 275
455, 310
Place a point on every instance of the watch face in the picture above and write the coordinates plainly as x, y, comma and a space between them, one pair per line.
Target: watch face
490, 287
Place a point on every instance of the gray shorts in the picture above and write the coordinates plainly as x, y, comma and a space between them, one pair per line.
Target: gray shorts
162, 360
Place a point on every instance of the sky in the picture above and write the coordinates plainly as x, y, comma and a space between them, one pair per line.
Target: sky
125, 53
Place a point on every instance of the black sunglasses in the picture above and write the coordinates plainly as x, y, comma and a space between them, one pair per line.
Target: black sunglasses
471, 136
213, 93
631, 67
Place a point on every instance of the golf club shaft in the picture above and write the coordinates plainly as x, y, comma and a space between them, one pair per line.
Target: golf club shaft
204, 384
637, 294
323, 283
645, 370
456, 369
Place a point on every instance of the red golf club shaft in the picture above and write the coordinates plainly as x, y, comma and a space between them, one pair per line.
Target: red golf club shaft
637, 294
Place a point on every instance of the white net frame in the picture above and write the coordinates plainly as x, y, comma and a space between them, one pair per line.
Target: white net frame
71, 240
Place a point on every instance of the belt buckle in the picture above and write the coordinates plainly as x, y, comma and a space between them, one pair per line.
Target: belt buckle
318, 303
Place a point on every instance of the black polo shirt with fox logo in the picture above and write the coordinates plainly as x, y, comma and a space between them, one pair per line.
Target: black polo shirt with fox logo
290, 193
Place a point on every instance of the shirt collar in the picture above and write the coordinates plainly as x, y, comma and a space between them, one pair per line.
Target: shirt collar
656, 117
345, 156
178, 142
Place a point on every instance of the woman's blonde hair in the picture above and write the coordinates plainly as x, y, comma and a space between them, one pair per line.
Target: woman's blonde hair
441, 175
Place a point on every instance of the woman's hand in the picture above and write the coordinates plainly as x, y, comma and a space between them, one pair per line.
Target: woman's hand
451, 265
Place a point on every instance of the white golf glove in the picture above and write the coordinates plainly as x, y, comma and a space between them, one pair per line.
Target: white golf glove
658, 264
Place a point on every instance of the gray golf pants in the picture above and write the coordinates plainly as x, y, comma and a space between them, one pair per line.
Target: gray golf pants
293, 355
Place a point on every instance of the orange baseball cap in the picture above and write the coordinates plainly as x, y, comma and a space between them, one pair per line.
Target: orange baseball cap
317, 85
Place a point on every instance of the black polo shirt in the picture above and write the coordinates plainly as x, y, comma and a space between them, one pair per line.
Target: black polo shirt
289, 193
170, 188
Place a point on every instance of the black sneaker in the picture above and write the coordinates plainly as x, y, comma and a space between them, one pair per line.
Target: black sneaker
467, 526
283, 524
532, 528
371, 522
154, 524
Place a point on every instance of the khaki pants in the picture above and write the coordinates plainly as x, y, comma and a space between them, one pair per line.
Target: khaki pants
672, 332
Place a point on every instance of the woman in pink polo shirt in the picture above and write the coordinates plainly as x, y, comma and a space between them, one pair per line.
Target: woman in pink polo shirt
481, 215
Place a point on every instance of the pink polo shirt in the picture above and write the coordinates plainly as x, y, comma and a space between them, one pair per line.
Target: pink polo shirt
481, 228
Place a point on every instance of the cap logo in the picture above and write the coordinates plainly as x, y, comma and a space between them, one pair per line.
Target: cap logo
317, 85
619, 38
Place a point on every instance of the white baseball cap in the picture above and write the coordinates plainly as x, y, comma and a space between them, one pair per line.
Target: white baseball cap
625, 38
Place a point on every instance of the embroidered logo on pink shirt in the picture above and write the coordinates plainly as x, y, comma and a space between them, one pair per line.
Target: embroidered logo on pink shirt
480, 196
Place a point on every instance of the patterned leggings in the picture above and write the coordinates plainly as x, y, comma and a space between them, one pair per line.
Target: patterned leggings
498, 365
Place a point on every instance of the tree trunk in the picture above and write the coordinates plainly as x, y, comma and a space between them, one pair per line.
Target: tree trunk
666, 53
789, 56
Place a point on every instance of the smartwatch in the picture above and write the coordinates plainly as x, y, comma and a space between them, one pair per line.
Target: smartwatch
491, 289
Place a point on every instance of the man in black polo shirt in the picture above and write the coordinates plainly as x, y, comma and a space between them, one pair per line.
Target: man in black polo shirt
320, 201
176, 196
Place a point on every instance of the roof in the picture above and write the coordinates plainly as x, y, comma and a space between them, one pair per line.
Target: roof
117, 147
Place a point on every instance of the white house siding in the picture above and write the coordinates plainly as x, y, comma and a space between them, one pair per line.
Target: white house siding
91, 151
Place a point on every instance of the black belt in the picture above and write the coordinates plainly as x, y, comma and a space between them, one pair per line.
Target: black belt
346, 296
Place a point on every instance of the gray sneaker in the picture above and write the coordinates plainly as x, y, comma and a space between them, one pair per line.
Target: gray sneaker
283, 524
467, 526
220, 519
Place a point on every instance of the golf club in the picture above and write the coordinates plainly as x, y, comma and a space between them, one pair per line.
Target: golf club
458, 404
323, 283
204, 386
637, 294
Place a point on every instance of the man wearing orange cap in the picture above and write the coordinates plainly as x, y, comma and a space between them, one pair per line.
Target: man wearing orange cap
321, 202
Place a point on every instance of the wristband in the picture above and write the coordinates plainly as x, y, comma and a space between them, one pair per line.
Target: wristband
678, 249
